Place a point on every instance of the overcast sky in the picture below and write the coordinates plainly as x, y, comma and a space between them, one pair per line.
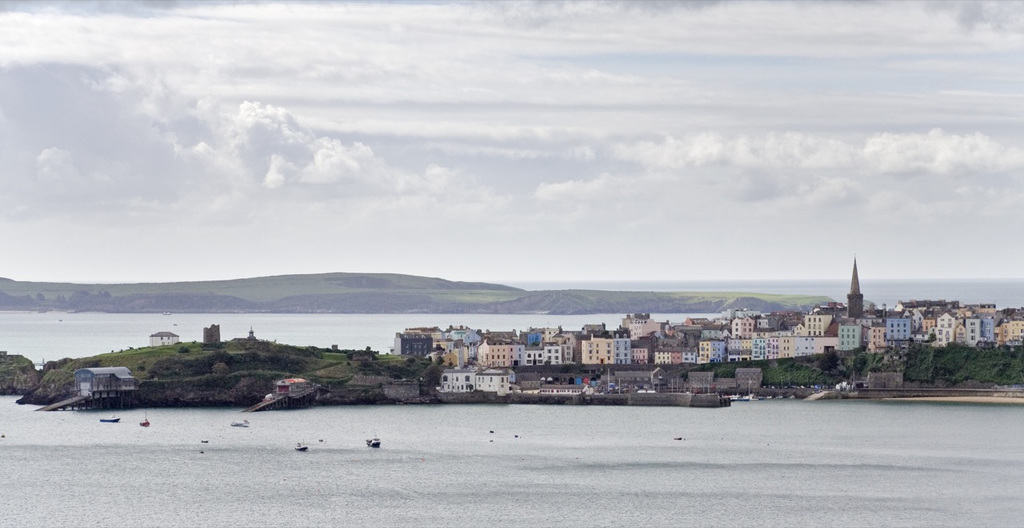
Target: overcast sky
511, 141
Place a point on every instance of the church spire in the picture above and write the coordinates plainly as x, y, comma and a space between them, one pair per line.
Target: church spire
855, 300
855, 283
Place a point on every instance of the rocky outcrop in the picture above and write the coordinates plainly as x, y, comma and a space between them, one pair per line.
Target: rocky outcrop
17, 374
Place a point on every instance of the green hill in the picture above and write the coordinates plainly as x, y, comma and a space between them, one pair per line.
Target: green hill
233, 373
368, 293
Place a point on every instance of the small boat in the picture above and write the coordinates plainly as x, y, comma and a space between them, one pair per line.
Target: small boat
301, 447
243, 423
373, 442
145, 421
112, 419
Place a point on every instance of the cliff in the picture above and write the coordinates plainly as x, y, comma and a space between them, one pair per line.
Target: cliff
17, 374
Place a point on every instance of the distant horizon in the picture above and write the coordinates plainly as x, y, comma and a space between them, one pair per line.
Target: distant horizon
515, 282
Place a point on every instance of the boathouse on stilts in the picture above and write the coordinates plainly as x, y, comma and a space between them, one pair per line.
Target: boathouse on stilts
101, 388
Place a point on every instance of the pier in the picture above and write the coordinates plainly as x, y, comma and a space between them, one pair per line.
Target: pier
100, 388
70, 403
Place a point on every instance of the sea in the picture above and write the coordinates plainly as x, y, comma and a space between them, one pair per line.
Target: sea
760, 463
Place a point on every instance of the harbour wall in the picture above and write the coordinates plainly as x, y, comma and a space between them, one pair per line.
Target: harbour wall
874, 394
634, 399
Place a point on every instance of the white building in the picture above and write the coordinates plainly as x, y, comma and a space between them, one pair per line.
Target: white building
458, 380
163, 338
493, 380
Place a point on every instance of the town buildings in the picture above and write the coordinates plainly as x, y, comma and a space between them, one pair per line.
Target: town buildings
736, 335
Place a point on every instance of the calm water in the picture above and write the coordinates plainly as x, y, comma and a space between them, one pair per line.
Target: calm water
770, 463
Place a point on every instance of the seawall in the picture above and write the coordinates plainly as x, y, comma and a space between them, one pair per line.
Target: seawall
636, 399
874, 394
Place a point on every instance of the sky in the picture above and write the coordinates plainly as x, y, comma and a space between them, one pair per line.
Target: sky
511, 141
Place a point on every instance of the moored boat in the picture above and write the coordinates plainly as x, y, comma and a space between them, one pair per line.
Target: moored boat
373, 442
112, 419
301, 447
243, 423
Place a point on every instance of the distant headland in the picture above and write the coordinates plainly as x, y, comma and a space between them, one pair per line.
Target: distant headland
370, 293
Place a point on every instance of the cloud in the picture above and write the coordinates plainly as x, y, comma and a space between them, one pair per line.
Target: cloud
774, 150
380, 125
934, 152
131, 146
272, 145
54, 166
937, 152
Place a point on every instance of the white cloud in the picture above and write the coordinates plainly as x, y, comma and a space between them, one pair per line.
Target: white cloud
937, 152
583, 153
55, 166
377, 125
933, 152
774, 150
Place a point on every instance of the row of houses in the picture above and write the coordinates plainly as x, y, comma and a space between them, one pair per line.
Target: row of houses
733, 336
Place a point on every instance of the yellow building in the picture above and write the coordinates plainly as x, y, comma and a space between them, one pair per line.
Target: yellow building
816, 324
876, 338
597, 351
1010, 331
787, 346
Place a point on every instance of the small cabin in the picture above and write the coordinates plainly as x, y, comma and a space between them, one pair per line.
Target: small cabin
100, 381
293, 387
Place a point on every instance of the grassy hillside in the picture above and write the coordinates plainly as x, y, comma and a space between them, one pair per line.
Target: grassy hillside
262, 289
956, 364
189, 360
230, 373
368, 293
790, 372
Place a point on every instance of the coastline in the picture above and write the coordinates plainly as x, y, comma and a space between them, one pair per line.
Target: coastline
1002, 400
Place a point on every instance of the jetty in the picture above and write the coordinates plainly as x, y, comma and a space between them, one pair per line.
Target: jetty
100, 388
70, 403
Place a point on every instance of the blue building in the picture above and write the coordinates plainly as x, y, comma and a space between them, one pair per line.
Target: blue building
898, 330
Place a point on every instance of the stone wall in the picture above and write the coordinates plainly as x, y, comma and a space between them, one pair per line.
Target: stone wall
885, 380
472, 397
402, 391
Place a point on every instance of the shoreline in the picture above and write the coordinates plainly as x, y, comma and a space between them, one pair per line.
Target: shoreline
1002, 400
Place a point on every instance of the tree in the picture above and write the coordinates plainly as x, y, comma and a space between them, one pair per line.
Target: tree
432, 376
828, 362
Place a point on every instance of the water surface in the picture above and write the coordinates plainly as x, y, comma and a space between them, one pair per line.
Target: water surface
771, 463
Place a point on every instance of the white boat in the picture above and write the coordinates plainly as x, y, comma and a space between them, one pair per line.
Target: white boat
373, 442
301, 447
243, 423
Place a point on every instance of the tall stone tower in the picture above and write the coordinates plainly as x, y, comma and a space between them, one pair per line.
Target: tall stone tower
855, 299
211, 334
